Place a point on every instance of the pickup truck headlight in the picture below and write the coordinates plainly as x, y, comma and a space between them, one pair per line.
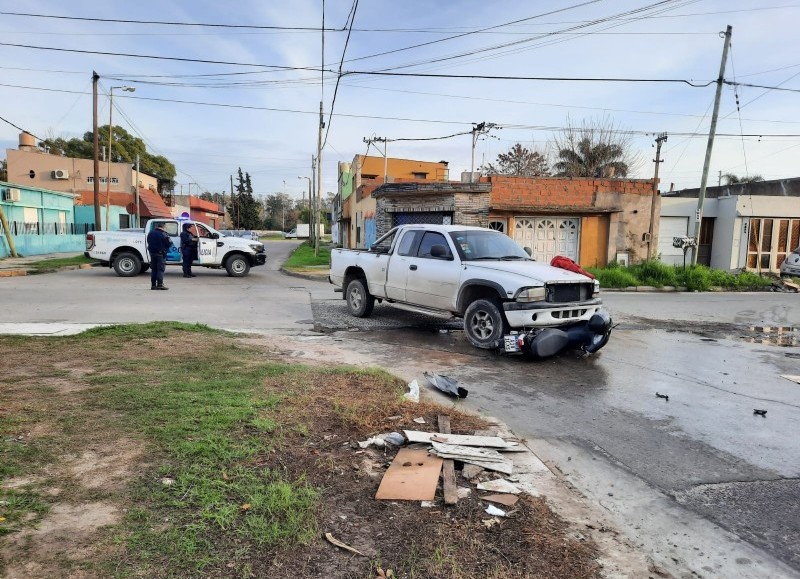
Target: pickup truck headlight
530, 294
257, 247
596, 291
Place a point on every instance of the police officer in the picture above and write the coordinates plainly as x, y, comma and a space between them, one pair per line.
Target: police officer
158, 244
188, 249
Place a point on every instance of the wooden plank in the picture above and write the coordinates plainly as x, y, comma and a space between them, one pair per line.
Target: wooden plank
462, 439
507, 500
448, 468
412, 476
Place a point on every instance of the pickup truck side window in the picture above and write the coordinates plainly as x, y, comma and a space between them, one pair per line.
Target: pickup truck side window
171, 227
430, 239
406, 245
202, 231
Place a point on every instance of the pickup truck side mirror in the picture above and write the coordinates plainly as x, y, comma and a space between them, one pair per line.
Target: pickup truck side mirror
440, 252
215, 236
528, 251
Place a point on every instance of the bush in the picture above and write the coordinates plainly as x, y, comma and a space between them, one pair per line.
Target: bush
655, 273
618, 277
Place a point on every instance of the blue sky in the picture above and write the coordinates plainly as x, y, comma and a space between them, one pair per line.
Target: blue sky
276, 136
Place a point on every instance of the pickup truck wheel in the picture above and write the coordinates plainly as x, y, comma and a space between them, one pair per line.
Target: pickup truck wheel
127, 264
359, 301
145, 267
237, 266
484, 324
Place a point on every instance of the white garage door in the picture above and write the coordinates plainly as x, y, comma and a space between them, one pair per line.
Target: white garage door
668, 228
548, 236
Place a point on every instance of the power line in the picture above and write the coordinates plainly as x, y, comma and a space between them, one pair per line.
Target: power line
167, 23
20, 128
733, 83
351, 18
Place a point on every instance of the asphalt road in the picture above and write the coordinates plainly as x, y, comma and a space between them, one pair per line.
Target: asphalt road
700, 483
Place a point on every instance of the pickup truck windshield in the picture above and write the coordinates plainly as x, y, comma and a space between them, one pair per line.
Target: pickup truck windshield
487, 245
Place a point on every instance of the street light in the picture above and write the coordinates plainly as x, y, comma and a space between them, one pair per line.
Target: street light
108, 166
311, 223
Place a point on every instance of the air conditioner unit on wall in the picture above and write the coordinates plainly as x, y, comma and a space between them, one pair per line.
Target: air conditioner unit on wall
59, 174
11, 194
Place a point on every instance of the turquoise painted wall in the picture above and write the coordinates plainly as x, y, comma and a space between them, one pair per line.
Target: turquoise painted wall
36, 224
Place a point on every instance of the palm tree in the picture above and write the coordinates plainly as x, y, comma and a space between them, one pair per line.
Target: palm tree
731, 179
587, 159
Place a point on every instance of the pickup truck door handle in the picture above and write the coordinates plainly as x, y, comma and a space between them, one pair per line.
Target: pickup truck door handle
220, 244
412, 267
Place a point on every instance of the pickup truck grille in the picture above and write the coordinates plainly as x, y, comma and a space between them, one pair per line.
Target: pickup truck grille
559, 293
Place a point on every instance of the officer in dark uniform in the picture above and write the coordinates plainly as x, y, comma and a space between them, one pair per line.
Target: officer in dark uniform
158, 244
188, 249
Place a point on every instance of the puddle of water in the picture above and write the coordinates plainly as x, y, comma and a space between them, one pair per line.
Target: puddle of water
786, 336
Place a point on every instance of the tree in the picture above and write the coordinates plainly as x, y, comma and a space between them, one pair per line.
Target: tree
518, 161
243, 208
280, 212
594, 149
124, 148
3, 170
731, 179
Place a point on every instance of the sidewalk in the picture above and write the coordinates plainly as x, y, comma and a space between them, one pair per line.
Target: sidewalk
16, 266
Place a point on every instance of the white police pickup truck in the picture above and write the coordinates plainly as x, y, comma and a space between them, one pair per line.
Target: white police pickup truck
507, 300
126, 250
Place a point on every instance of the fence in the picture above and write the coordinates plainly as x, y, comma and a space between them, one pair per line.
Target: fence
49, 228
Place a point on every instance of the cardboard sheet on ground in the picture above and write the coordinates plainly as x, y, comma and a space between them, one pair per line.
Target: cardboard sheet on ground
412, 476
507, 500
462, 439
499, 486
792, 378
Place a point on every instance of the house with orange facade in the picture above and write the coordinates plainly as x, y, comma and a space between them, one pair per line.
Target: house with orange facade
354, 217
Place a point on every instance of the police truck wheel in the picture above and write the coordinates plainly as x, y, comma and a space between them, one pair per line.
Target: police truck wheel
359, 301
237, 266
484, 324
127, 264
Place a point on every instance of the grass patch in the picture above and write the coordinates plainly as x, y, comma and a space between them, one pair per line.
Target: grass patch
657, 274
304, 256
50, 265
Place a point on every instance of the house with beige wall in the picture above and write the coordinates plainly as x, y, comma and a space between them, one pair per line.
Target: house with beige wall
28, 165
751, 226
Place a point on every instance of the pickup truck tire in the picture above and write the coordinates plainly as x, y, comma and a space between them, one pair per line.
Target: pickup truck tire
359, 301
127, 264
237, 266
484, 324
145, 267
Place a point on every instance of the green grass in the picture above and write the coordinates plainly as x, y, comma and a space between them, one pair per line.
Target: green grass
657, 274
304, 256
203, 498
50, 265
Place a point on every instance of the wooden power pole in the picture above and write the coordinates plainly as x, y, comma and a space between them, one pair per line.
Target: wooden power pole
97, 226
662, 138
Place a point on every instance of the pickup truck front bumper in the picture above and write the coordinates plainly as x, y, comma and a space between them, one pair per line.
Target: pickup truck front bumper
588, 336
260, 259
548, 314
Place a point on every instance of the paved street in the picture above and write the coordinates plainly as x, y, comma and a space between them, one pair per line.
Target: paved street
699, 482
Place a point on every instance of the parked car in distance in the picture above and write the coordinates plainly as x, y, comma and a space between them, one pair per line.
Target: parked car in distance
300, 231
791, 265
243, 233
290, 234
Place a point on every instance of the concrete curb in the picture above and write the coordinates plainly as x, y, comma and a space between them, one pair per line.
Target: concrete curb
13, 272
303, 275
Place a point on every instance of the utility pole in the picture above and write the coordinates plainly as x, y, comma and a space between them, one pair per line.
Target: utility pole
97, 224
719, 179
138, 213
319, 175
711, 133
662, 138
224, 209
313, 193
477, 131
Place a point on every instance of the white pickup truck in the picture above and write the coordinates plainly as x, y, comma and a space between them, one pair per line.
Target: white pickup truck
126, 250
507, 299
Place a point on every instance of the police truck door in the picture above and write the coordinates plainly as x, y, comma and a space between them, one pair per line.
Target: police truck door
206, 245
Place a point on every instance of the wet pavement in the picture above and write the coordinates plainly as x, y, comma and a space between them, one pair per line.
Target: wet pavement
701, 456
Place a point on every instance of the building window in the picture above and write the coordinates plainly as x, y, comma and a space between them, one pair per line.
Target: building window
114, 180
124, 221
102, 179
769, 241
498, 225
422, 176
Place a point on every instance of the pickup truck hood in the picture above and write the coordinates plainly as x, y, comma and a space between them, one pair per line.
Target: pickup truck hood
540, 272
